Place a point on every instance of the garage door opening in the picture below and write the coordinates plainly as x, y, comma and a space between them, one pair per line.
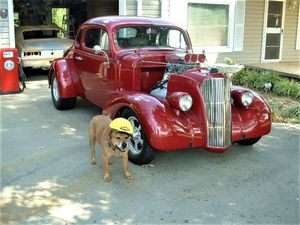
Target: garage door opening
61, 18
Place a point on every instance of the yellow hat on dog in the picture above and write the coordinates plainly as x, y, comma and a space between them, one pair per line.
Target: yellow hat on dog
121, 125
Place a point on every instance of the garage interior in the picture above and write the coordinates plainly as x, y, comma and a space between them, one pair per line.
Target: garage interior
67, 14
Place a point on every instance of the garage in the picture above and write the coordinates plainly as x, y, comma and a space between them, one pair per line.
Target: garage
69, 14
65, 14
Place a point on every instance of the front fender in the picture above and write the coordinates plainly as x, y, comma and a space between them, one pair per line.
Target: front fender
161, 123
254, 121
64, 74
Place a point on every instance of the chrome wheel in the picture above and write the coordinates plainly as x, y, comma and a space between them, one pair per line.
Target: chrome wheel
58, 102
140, 152
55, 91
136, 142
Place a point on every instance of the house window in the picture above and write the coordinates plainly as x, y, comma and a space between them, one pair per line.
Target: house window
214, 25
208, 24
211, 25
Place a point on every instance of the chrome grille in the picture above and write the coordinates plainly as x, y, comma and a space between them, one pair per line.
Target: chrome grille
216, 95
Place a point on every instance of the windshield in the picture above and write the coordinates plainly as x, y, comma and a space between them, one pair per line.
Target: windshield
150, 36
41, 34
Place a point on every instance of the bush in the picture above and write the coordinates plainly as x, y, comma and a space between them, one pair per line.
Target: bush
293, 111
258, 80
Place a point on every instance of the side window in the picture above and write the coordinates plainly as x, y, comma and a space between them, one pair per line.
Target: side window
96, 36
176, 39
78, 38
104, 41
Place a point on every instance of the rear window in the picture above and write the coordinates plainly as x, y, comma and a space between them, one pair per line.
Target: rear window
42, 34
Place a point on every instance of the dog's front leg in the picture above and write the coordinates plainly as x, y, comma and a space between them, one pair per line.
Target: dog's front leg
106, 174
93, 153
125, 167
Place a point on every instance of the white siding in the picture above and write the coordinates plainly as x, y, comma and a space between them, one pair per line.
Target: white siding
253, 31
253, 35
289, 52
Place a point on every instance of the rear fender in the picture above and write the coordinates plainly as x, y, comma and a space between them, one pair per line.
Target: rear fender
61, 71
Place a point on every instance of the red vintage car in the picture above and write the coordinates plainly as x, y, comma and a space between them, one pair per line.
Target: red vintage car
144, 70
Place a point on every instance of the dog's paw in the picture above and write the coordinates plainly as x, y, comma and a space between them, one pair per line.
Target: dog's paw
93, 161
107, 178
129, 176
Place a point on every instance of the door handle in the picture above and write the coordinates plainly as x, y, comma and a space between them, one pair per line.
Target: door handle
79, 58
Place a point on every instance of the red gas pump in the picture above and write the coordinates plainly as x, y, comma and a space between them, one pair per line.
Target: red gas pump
9, 73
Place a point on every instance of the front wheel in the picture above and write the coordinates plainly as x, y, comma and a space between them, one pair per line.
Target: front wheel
58, 102
140, 151
250, 141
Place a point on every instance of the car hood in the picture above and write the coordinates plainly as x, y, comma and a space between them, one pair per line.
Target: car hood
46, 44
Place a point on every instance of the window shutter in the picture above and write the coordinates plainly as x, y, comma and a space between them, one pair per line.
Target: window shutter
298, 32
151, 8
239, 22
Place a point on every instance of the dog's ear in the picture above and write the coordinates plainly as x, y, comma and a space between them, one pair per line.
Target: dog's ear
106, 113
110, 133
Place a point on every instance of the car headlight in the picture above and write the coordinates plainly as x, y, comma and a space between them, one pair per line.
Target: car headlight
247, 98
180, 100
185, 102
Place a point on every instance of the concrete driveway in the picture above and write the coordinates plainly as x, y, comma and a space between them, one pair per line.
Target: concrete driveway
46, 177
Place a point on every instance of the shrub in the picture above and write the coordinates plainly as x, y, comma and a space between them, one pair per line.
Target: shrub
293, 111
280, 85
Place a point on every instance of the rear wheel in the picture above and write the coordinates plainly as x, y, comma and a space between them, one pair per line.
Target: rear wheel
140, 151
250, 141
58, 102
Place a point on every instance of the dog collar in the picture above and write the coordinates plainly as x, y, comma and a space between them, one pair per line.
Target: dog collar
114, 148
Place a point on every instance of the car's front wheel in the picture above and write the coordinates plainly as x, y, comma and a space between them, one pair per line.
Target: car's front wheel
140, 152
58, 102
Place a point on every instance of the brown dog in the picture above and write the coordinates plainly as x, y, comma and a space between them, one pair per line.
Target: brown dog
111, 141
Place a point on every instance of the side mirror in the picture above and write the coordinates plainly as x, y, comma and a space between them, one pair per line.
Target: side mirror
97, 50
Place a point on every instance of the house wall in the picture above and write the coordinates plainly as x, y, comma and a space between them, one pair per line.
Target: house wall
289, 52
253, 34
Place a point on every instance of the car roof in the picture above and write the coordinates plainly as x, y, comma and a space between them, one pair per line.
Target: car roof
112, 21
37, 27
